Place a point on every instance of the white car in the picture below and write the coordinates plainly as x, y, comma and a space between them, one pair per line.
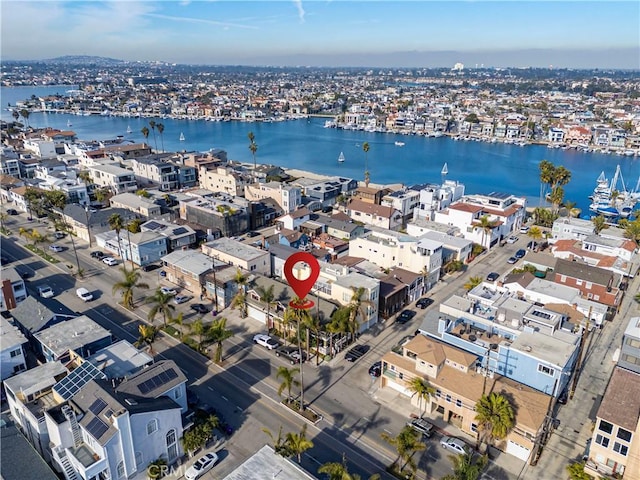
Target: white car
168, 291
45, 291
55, 248
266, 341
512, 239
455, 445
202, 466
524, 229
110, 261
84, 294
181, 299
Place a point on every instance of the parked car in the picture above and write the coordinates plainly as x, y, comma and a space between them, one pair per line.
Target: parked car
84, 294
356, 352
98, 255
201, 466
520, 253
163, 273
45, 291
266, 341
192, 398
55, 248
59, 235
424, 302
512, 239
563, 397
455, 445
375, 370
12, 211
150, 267
524, 229
290, 353
168, 291
252, 234
512, 260
422, 426
178, 299
110, 261
532, 245
200, 308
4, 260
405, 316
493, 276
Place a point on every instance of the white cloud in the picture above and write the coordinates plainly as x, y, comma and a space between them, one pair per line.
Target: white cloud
173, 18
301, 12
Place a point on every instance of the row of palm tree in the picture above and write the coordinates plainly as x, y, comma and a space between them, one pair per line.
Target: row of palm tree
154, 125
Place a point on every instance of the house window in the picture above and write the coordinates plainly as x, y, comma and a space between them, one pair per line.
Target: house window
120, 469
177, 393
589, 285
546, 370
172, 444
563, 278
458, 403
448, 398
16, 352
152, 426
474, 428
632, 342
438, 393
605, 427
578, 282
602, 440
139, 459
624, 434
621, 449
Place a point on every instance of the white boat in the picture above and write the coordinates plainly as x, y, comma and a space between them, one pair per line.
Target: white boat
129, 131
69, 124
611, 200
341, 158
181, 137
445, 169
399, 144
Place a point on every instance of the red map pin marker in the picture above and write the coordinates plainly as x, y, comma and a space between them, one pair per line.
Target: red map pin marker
301, 287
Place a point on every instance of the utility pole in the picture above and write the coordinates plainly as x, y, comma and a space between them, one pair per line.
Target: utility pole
541, 438
215, 287
576, 371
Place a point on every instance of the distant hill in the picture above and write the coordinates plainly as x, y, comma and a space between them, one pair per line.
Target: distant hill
84, 60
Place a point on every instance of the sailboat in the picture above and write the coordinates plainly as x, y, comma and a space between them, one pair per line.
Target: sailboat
341, 158
69, 124
129, 131
181, 137
445, 170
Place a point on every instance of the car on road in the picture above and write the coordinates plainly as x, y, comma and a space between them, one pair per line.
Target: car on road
24, 274
493, 276
375, 370
424, 302
524, 229
512, 260
512, 239
532, 245
4, 260
168, 291
163, 273
199, 308
181, 299
98, 255
59, 235
422, 426
84, 294
55, 248
45, 291
455, 445
356, 352
201, 466
563, 397
110, 261
290, 353
405, 316
192, 398
252, 234
520, 253
266, 341
149, 268
12, 211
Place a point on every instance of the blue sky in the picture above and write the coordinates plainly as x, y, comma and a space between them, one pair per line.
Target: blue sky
332, 33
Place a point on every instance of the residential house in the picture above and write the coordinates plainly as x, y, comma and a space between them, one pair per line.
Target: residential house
178, 236
63, 180
616, 436
138, 204
370, 194
223, 178
187, 269
212, 211
141, 248
594, 283
162, 172
326, 192
609, 253
404, 200
345, 230
80, 336
398, 289
8, 183
374, 214
288, 197
434, 198
556, 135
114, 178
39, 147
12, 349
86, 223
13, 290
236, 253
9, 162
569, 228
293, 220
220, 284
31, 316
630, 351
118, 360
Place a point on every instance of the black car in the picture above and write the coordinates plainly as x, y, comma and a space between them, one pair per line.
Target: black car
424, 302
405, 316
520, 254
532, 245
493, 276
356, 352
4, 260
192, 398
252, 234
291, 353
563, 397
98, 255
200, 308
12, 211
149, 268
376, 369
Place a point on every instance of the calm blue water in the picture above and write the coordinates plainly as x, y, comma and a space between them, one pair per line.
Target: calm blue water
306, 145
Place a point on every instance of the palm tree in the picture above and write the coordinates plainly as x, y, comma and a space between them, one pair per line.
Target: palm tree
129, 282
280, 446
288, 376
298, 443
465, 467
313, 324
495, 417
599, 223
152, 124
85, 176
178, 320
160, 128
269, 299
240, 299
117, 223
298, 316
553, 177
420, 386
160, 303
218, 333
198, 328
570, 208
145, 133
148, 334
365, 149
338, 470
487, 226
15, 115
472, 283
535, 233
25, 114
357, 306
407, 443
253, 147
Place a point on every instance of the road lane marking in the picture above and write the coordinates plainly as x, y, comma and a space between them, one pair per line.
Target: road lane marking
224, 398
211, 389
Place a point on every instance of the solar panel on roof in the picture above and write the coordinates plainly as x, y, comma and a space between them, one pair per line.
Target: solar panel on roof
157, 381
153, 225
78, 378
97, 406
180, 231
97, 428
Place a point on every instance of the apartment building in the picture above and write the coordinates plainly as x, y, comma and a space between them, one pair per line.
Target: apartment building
374, 215
569, 228
630, 351
230, 215
436, 197
404, 200
223, 178
114, 178
187, 268
13, 290
594, 283
326, 192
12, 349
288, 197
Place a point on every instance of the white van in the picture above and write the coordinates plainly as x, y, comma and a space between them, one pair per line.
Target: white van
84, 294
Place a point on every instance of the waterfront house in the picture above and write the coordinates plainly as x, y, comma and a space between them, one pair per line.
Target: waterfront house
12, 290
12, 349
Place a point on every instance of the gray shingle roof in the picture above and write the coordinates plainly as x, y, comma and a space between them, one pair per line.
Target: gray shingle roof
582, 271
153, 381
32, 314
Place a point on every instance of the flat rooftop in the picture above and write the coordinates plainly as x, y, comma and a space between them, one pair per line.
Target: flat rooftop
235, 249
266, 464
71, 334
10, 336
545, 347
120, 359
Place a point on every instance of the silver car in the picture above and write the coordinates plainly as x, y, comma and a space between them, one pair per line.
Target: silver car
455, 445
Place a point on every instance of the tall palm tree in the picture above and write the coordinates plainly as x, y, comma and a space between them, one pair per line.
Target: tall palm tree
218, 333
15, 115
357, 307
407, 443
240, 299
117, 223
495, 417
160, 303
178, 320
298, 316
472, 283
313, 324
253, 147
338, 470
599, 223
280, 445
152, 124
535, 233
420, 386
148, 334
197, 328
129, 282
298, 443
288, 376
570, 208
160, 128
25, 114
145, 133
269, 299
365, 149
487, 226
466, 466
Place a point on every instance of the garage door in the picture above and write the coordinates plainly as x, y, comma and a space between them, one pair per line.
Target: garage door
256, 314
518, 450
397, 387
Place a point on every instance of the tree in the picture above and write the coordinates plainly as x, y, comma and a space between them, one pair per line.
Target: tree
148, 334
269, 299
15, 115
299, 316
152, 124
218, 333
554, 178
25, 114
160, 303
365, 149
632, 229
117, 223
576, 471
197, 328
487, 226
407, 443
288, 376
339, 470
145, 133
570, 209
357, 306
298, 443
85, 176
420, 386
313, 324
178, 320
472, 283
280, 446
465, 467
130, 281
535, 233
133, 226
160, 128
253, 147
495, 417
599, 223
240, 298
